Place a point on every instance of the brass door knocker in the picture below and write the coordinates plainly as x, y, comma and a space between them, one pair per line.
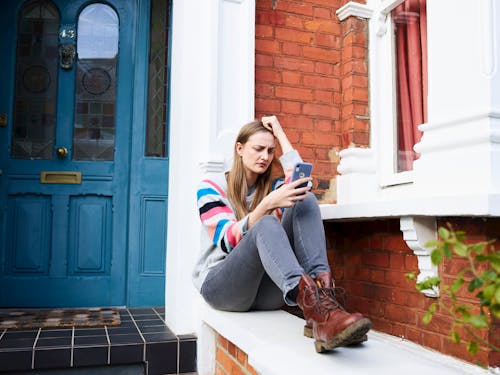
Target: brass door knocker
67, 53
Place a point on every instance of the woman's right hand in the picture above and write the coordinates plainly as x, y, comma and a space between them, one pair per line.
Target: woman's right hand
287, 194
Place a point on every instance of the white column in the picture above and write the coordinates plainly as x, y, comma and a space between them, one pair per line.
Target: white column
212, 95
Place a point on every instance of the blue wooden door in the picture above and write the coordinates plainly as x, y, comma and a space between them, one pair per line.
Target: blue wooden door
65, 129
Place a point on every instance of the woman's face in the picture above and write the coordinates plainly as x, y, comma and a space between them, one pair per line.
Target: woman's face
257, 153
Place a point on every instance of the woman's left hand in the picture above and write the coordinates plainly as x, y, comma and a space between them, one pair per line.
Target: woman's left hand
272, 123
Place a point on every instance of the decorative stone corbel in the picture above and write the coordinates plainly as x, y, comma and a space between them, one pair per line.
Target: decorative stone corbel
417, 231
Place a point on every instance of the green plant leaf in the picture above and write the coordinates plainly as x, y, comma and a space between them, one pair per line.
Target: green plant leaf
497, 294
436, 257
460, 249
446, 250
477, 248
444, 233
432, 308
456, 285
495, 310
474, 284
460, 235
478, 321
488, 292
432, 244
472, 347
455, 337
427, 317
411, 275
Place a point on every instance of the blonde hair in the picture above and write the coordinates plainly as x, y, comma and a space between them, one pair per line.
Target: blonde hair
236, 182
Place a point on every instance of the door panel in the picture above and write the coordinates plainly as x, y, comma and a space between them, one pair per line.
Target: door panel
71, 115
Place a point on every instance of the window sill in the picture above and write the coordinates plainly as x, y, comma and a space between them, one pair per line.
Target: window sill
274, 343
451, 205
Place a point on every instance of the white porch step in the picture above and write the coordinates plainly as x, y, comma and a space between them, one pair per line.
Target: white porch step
275, 345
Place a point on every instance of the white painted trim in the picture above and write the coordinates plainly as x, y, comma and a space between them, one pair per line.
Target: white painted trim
480, 205
354, 9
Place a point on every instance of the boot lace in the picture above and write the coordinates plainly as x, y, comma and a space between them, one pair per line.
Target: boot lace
328, 299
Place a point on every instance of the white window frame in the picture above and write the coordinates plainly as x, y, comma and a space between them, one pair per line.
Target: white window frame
382, 50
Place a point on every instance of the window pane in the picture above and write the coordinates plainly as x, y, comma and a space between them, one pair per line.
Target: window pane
410, 25
95, 97
156, 129
35, 95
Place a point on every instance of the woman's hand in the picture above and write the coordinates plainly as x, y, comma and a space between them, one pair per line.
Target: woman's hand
283, 197
272, 123
288, 194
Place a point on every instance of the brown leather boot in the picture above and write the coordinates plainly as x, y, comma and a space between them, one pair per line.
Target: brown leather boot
331, 325
327, 290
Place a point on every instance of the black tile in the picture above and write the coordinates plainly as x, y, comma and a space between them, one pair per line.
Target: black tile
160, 309
162, 358
187, 337
187, 356
52, 358
91, 341
150, 322
90, 356
156, 329
141, 311
122, 330
15, 360
55, 333
123, 324
159, 337
56, 342
126, 339
17, 344
138, 318
9, 335
121, 354
90, 332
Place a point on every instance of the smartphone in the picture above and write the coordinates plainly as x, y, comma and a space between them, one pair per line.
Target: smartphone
301, 170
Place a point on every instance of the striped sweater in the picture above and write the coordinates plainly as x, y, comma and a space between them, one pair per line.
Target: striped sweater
221, 231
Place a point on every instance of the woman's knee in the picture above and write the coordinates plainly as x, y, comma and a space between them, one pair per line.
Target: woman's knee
309, 201
266, 222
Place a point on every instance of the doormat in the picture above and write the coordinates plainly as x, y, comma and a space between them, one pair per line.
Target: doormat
42, 318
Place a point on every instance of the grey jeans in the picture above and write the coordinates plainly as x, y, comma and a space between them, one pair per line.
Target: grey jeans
269, 260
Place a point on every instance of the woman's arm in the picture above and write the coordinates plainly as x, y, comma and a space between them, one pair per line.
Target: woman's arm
272, 123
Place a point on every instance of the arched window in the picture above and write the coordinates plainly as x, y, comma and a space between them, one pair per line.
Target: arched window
95, 95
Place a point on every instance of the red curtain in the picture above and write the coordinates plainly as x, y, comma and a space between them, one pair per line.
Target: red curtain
411, 61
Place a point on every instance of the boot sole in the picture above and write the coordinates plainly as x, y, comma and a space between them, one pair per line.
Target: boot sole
346, 337
308, 332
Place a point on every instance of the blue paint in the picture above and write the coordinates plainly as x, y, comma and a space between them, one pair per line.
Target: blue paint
148, 191
75, 245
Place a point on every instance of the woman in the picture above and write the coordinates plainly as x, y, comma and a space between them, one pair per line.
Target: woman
265, 245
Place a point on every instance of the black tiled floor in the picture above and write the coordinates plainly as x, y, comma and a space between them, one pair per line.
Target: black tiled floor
142, 337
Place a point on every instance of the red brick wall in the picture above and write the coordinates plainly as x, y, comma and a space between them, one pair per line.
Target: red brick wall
370, 260
311, 71
231, 360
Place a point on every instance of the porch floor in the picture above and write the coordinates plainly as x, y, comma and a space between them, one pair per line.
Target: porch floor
142, 338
